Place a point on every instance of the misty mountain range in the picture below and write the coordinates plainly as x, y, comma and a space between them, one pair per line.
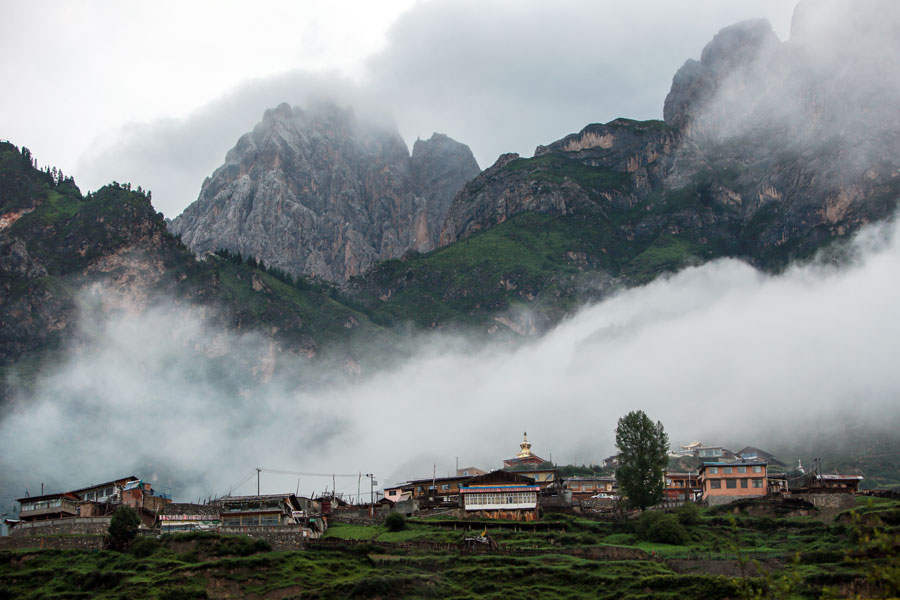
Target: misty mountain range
335, 242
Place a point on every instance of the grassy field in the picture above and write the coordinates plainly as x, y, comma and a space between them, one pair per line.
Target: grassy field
809, 557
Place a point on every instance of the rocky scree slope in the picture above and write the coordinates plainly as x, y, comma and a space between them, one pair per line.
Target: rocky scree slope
319, 192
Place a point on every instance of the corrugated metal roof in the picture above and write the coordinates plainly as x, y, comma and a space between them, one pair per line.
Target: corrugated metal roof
71, 495
108, 483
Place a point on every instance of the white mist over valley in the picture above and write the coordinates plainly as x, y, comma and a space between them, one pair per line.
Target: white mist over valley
719, 351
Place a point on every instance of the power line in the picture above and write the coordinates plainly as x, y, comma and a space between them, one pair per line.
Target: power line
258, 470
306, 474
242, 481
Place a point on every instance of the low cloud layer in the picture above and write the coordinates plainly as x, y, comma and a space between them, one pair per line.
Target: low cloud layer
829, 88
718, 352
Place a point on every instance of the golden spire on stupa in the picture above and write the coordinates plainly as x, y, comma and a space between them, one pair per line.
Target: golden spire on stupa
525, 451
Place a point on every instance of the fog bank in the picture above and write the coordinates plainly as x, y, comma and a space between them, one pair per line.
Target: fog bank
719, 351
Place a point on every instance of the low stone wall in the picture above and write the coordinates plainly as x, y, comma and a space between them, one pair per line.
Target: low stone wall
280, 538
71, 526
838, 501
589, 552
354, 519
719, 500
59, 542
893, 494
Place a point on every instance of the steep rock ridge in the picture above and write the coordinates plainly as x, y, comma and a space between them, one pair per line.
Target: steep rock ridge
729, 54
318, 192
768, 149
440, 166
803, 137
603, 167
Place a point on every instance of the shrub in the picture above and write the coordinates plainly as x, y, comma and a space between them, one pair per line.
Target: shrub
123, 527
143, 546
239, 545
688, 514
395, 522
661, 528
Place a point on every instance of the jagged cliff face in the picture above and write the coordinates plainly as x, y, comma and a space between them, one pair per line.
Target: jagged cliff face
803, 136
440, 166
604, 167
768, 149
320, 193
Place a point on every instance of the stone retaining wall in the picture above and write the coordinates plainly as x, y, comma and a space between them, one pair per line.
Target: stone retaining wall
59, 542
281, 538
837, 501
72, 526
591, 552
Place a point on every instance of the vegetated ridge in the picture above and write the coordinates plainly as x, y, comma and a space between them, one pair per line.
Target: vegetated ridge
63, 254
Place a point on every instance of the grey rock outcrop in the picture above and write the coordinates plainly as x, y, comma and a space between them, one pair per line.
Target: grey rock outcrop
611, 165
728, 55
440, 166
319, 192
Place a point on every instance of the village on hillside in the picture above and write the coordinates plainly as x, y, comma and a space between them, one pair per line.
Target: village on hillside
522, 490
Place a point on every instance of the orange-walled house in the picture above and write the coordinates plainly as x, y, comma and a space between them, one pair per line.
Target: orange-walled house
724, 482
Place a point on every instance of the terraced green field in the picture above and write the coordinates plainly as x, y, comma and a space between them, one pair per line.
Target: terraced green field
856, 553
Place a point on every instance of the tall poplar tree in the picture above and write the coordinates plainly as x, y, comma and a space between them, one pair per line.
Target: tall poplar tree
643, 456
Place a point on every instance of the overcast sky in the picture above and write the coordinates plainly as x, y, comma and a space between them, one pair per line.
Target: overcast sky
155, 93
167, 93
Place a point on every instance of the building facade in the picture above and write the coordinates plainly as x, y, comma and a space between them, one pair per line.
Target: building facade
48, 506
259, 511
501, 495
182, 517
585, 487
682, 487
724, 482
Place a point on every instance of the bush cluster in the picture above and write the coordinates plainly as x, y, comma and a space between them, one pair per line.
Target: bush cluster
654, 526
395, 522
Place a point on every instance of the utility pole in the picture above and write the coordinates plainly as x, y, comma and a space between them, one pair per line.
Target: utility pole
371, 494
358, 483
257, 480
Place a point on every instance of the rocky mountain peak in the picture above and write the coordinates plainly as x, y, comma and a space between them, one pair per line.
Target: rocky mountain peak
440, 164
730, 51
319, 192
